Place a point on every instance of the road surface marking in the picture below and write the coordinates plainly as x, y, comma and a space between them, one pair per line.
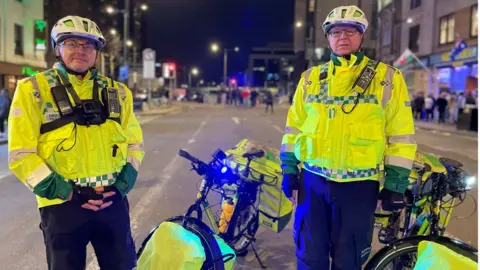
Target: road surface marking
278, 129
191, 141
236, 120
154, 192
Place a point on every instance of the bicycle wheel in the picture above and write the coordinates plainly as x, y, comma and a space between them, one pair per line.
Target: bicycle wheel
403, 254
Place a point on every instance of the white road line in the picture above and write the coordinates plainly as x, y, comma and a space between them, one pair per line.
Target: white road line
191, 141
236, 120
154, 192
278, 129
5, 175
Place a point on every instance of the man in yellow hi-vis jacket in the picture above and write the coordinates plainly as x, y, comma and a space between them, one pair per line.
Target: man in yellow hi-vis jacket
75, 142
349, 117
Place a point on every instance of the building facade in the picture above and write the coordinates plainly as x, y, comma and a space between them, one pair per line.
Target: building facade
271, 66
454, 20
22, 49
430, 30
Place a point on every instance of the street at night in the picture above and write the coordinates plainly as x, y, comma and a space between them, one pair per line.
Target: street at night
165, 187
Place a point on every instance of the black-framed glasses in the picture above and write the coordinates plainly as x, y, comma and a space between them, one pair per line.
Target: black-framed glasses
72, 45
338, 33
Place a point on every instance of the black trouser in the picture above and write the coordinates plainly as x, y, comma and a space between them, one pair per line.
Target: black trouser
68, 228
334, 220
269, 104
2, 124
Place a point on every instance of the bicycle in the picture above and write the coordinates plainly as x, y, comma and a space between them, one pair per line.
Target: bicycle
237, 188
433, 179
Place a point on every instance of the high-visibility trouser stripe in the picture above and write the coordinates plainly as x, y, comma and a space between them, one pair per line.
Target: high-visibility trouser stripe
401, 139
291, 130
399, 161
387, 88
286, 147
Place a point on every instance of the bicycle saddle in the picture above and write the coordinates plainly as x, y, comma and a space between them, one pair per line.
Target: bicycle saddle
448, 162
254, 153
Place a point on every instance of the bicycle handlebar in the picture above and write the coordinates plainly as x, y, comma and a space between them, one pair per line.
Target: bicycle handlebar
191, 158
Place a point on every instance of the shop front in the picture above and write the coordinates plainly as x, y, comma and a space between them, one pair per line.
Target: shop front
10, 74
452, 75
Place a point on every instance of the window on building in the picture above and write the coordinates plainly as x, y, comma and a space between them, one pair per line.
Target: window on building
413, 38
18, 39
447, 29
474, 21
415, 4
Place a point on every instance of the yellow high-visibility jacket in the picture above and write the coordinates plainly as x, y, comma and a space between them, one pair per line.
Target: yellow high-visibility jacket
87, 155
343, 145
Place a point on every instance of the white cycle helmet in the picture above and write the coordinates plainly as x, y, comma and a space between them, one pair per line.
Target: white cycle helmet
346, 15
75, 26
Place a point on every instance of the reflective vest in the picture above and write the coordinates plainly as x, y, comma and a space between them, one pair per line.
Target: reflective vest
88, 155
344, 134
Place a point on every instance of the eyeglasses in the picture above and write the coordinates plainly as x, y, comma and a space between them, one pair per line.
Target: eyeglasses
88, 47
338, 33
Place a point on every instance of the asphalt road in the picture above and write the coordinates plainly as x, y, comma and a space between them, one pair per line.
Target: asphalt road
165, 186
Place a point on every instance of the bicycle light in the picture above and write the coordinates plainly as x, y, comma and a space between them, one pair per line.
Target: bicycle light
470, 181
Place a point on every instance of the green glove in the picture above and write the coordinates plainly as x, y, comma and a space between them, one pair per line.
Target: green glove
53, 187
126, 179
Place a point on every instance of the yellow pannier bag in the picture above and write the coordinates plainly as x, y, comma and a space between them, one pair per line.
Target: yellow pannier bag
433, 256
275, 209
172, 247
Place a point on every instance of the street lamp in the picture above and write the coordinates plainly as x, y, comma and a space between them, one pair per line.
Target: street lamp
299, 24
215, 48
126, 13
110, 10
113, 31
193, 72
409, 20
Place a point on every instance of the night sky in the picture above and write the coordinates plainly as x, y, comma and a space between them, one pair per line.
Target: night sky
182, 30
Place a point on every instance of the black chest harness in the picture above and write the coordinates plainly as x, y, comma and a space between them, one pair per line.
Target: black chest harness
87, 112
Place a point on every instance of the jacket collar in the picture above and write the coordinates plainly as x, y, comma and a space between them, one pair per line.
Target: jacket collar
91, 75
355, 59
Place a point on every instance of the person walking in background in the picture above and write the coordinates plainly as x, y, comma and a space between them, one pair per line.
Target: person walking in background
419, 103
268, 100
442, 105
253, 97
4, 109
429, 107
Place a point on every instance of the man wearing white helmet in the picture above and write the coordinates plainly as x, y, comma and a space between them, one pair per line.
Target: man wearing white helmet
350, 118
75, 143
